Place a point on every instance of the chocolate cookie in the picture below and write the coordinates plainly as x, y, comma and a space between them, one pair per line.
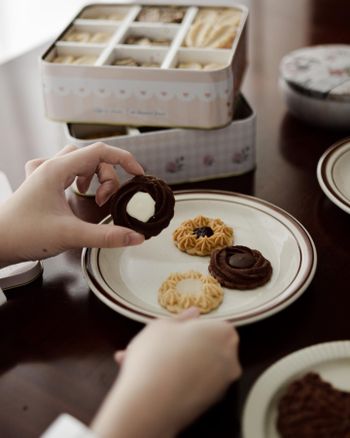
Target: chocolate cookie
144, 204
239, 267
313, 408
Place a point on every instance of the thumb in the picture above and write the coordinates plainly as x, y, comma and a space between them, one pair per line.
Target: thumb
119, 356
190, 313
105, 236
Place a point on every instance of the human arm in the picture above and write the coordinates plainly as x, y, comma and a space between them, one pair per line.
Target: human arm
171, 373
37, 221
2, 297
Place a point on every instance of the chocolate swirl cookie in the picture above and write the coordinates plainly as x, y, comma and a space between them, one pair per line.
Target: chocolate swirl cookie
239, 267
313, 408
144, 204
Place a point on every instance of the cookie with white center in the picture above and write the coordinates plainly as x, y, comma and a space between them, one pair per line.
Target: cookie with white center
144, 204
183, 290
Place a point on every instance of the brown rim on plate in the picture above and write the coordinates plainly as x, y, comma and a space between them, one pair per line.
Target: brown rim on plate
284, 298
322, 171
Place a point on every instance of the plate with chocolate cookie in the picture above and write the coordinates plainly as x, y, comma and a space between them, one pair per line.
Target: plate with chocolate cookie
305, 394
235, 257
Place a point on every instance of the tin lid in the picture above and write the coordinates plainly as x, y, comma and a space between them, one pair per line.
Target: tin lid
20, 274
321, 71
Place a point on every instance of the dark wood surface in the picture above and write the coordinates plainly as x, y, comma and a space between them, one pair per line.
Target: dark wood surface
57, 339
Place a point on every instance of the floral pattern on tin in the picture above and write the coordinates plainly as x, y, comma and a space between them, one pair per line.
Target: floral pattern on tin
241, 156
208, 160
175, 165
339, 71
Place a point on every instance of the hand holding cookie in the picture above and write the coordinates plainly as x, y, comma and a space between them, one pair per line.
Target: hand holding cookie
41, 220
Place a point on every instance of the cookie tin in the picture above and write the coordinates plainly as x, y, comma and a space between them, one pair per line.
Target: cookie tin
177, 65
315, 82
180, 155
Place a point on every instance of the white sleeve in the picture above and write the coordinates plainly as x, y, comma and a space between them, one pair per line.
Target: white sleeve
68, 427
3, 298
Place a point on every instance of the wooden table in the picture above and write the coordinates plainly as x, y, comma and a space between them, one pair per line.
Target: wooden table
58, 339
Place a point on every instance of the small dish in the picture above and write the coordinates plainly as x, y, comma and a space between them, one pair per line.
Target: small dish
20, 274
323, 113
315, 83
333, 174
331, 360
127, 279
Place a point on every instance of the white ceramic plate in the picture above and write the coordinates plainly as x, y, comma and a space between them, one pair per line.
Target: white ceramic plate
333, 174
331, 360
128, 279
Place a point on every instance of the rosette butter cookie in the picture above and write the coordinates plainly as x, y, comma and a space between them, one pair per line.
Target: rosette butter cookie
144, 204
239, 267
181, 291
201, 235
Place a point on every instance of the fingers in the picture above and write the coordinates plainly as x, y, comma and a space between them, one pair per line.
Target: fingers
109, 183
83, 183
191, 313
85, 161
108, 180
102, 236
66, 150
119, 356
71, 162
236, 369
31, 165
